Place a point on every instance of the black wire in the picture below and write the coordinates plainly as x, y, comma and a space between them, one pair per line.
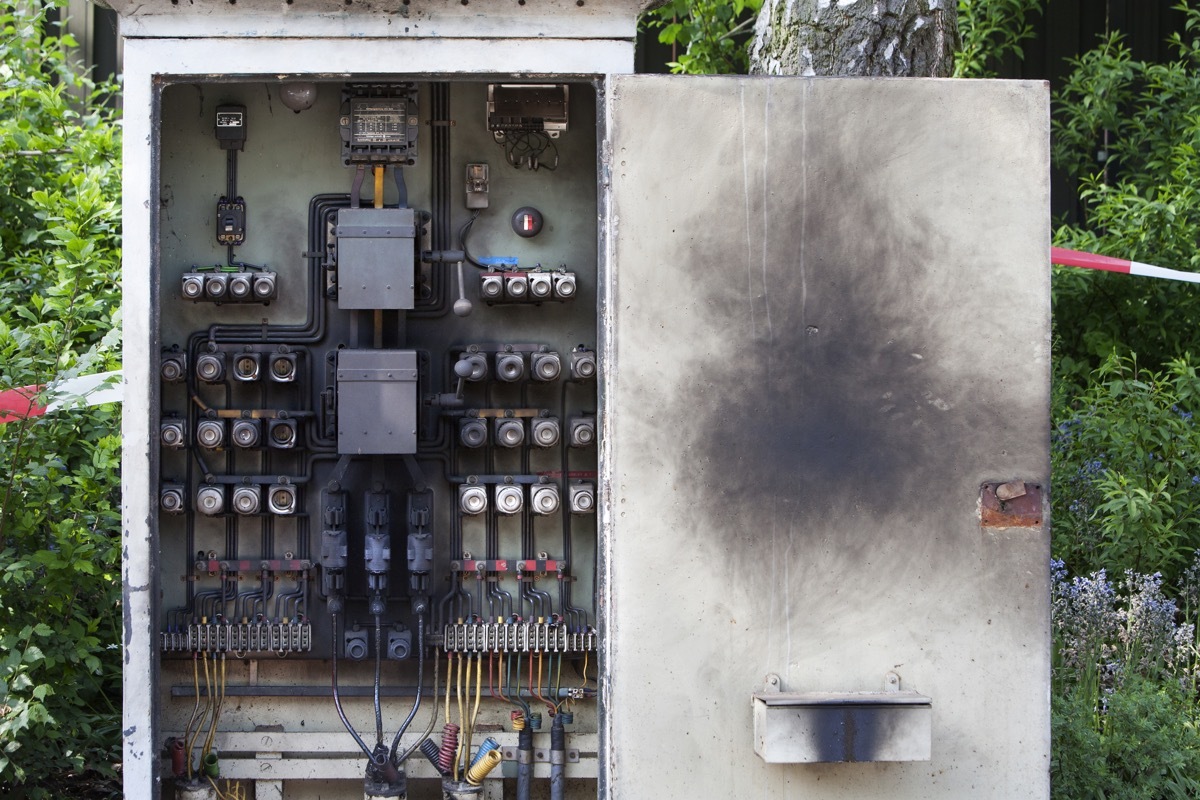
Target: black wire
463, 233
401, 186
378, 669
337, 700
420, 680
360, 175
231, 174
525, 149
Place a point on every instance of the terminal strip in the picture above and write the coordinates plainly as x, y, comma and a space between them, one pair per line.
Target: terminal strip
240, 638
517, 637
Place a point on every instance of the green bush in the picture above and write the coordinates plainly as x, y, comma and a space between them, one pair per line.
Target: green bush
1125, 462
990, 31
60, 617
1128, 131
712, 33
1147, 747
1123, 706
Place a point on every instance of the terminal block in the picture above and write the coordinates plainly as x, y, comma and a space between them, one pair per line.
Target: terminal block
517, 637
239, 638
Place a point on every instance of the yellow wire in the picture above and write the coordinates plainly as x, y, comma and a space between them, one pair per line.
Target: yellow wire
220, 796
462, 717
449, 673
583, 683
478, 687
203, 714
187, 732
218, 704
465, 742
464, 730
502, 695
379, 187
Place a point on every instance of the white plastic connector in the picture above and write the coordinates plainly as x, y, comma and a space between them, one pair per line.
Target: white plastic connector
544, 499
509, 499
247, 499
510, 432
210, 433
472, 432
281, 498
546, 431
472, 500
545, 366
210, 500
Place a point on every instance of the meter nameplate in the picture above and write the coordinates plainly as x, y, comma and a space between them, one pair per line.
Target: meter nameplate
230, 127
378, 124
379, 121
230, 119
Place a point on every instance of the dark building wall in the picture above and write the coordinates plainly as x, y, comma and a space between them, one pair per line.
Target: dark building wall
1069, 28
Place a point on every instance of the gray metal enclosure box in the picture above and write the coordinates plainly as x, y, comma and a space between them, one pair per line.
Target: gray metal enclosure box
822, 336
377, 401
373, 272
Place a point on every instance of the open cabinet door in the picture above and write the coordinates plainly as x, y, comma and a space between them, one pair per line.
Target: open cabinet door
826, 395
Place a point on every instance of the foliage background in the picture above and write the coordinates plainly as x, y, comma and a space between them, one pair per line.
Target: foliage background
60, 616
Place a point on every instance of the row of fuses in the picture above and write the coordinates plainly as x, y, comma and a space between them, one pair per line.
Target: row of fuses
247, 499
229, 287
216, 433
511, 431
509, 498
533, 286
214, 366
511, 365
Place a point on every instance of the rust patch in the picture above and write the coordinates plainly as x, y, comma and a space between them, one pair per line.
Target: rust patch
1014, 504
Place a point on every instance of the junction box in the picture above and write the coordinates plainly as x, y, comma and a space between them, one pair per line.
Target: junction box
502, 424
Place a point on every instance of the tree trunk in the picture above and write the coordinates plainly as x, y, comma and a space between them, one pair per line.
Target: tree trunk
911, 38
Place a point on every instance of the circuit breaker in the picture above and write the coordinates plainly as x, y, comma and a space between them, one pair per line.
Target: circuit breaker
503, 426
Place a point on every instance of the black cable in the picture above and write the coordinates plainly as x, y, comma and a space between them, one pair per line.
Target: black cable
401, 186
439, 301
312, 330
231, 174
360, 175
465, 231
337, 700
412, 714
378, 669
525, 149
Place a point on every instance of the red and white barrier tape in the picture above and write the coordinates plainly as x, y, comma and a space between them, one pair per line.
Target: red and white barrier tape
1074, 258
86, 390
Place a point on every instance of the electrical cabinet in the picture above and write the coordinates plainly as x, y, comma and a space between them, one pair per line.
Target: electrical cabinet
500, 425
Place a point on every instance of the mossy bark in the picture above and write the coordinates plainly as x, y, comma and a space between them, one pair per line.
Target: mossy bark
909, 38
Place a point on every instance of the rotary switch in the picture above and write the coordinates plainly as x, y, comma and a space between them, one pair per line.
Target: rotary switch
527, 221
